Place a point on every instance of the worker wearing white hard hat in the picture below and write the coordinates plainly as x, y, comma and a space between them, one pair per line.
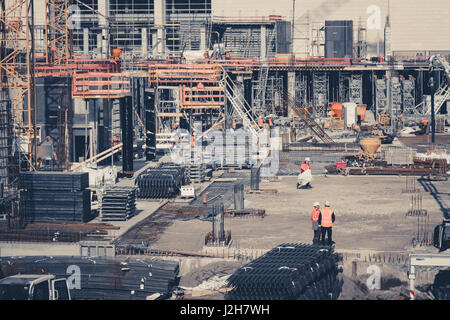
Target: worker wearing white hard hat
326, 222
304, 177
315, 222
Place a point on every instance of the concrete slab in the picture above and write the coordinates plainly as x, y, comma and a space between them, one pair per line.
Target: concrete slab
370, 216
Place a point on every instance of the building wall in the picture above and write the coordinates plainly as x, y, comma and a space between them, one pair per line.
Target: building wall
416, 24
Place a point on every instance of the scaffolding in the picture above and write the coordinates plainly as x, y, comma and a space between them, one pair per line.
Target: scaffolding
355, 88
408, 95
320, 93
17, 81
381, 102
301, 89
187, 21
274, 96
58, 34
5, 141
130, 26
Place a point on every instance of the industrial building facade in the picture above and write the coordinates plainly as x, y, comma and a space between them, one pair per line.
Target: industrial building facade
78, 122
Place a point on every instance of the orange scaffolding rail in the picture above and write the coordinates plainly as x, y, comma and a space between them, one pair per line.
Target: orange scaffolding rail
79, 65
202, 97
184, 73
100, 85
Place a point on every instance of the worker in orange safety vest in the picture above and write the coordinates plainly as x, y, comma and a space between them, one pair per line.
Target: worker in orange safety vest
305, 165
270, 121
326, 222
315, 222
260, 122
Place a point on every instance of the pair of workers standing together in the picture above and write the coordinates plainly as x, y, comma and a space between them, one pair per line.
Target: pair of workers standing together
322, 223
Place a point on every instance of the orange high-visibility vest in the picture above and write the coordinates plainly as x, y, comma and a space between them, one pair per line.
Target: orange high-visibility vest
192, 141
315, 214
270, 122
327, 217
260, 122
304, 167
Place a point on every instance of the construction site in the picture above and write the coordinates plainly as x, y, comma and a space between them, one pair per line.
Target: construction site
224, 150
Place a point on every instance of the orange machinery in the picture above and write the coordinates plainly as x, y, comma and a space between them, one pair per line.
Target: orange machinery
336, 109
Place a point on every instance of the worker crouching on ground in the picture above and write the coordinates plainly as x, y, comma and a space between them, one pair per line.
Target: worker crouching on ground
305, 176
326, 221
315, 222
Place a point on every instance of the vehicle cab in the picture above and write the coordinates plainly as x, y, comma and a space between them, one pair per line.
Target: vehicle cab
33, 287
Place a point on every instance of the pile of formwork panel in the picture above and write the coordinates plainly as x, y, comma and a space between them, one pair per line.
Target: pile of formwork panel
289, 272
118, 203
160, 182
101, 278
55, 196
196, 173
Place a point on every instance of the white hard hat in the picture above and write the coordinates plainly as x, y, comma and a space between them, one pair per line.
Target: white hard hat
307, 159
327, 203
315, 204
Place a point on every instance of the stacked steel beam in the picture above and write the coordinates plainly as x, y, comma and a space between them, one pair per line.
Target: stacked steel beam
160, 182
98, 278
118, 204
55, 196
289, 272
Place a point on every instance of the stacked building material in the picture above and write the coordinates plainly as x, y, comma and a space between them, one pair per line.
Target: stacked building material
196, 173
160, 182
118, 204
55, 196
398, 156
101, 278
289, 272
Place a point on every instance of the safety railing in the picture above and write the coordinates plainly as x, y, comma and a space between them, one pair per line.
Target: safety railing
100, 85
194, 97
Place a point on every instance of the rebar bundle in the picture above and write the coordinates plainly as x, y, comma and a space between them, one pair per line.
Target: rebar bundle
289, 272
101, 278
161, 182
55, 196
118, 204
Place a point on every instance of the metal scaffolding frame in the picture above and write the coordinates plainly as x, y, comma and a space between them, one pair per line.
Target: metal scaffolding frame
355, 88
301, 89
320, 92
274, 95
381, 102
17, 60
408, 95
58, 34
396, 96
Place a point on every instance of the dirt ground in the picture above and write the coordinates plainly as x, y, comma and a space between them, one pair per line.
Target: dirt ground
370, 216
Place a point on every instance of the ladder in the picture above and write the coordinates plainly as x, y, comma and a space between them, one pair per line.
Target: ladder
260, 96
442, 95
239, 104
303, 114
